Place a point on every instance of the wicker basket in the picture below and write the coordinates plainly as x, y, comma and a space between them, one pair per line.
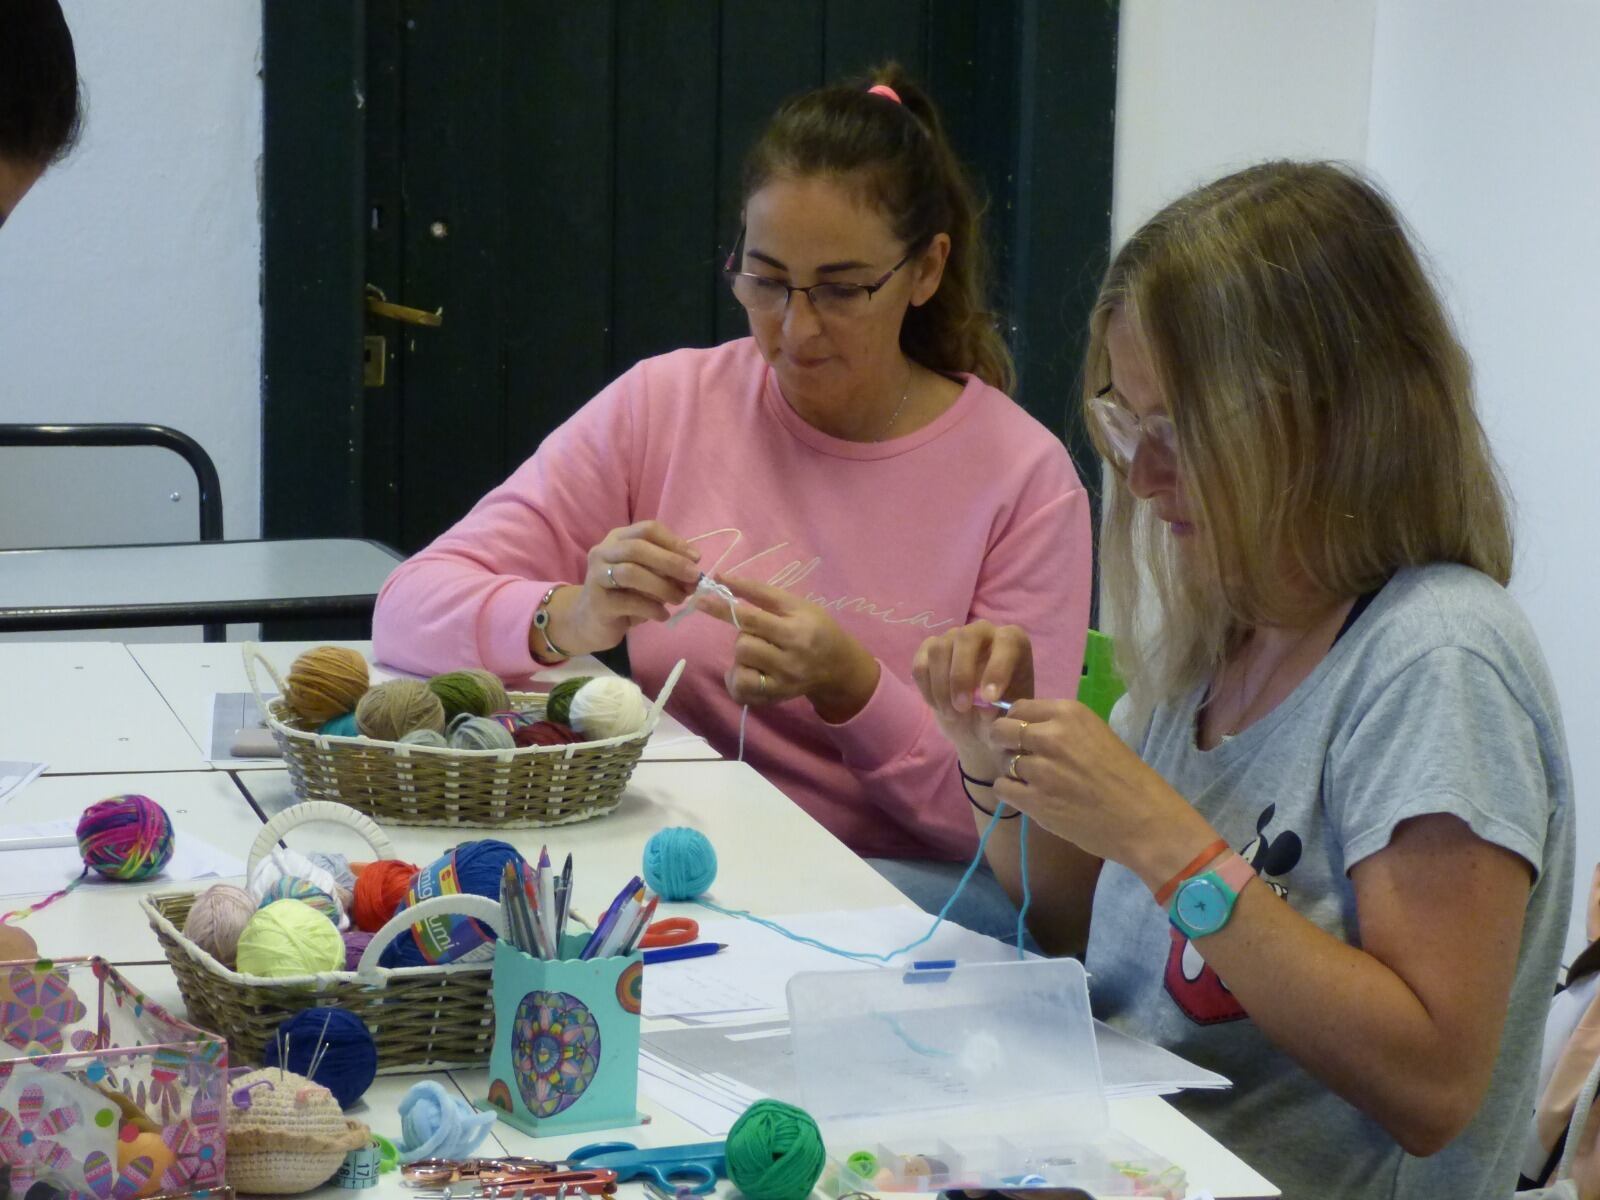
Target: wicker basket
423, 1018
425, 785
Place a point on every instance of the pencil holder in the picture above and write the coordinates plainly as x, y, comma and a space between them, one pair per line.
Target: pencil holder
565, 1057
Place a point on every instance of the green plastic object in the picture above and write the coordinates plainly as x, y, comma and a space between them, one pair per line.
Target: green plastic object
1102, 687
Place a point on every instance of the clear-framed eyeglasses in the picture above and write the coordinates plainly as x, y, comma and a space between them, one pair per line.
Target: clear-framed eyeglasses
764, 294
1123, 431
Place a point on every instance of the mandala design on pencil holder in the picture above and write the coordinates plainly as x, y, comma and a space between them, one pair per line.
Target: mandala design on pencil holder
630, 988
555, 1051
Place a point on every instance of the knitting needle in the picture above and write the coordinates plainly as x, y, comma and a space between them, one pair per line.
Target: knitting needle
37, 843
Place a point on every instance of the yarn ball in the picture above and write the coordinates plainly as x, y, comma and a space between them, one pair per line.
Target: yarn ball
292, 887
126, 837
289, 937
281, 861
479, 733
544, 733
15, 944
336, 865
558, 703
337, 1041
135, 1144
380, 889
607, 707
425, 737
341, 726
775, 1152
436, 1124
391, 710
679, 863
216, 918
289, 1135
325, 682
472, 867
461, 692
356, 942
493, 687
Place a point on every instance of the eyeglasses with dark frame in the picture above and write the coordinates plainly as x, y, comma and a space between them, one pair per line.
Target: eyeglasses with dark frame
763, 293
1123, 431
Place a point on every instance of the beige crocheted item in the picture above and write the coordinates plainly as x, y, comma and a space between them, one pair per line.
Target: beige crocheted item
293, 1136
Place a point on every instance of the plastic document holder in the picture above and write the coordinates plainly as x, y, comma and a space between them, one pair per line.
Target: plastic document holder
980, 1075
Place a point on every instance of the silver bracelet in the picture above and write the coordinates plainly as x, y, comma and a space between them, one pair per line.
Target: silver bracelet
541, 622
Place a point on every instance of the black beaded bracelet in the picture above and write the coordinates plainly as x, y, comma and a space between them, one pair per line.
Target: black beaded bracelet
988, 783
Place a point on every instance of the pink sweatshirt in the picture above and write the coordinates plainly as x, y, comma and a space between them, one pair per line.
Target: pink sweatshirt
978, 514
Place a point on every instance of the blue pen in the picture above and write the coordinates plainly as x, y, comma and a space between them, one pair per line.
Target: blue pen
598, 937
677, 953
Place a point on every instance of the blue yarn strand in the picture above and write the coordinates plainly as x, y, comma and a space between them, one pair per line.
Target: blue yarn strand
867, 955
1027, 892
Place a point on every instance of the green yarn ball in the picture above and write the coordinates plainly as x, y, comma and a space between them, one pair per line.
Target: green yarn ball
461, 692
557, 707
775, 1152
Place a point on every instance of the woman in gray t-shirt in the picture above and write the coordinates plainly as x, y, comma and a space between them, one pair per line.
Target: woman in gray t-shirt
1326, 846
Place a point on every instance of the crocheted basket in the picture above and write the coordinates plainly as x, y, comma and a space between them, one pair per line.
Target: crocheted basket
425, 785
288, 1135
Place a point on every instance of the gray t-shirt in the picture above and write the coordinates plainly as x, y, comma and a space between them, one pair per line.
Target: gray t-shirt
1436, 700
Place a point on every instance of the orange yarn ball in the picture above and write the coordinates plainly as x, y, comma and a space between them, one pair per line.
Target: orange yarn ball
380, 888
325, 682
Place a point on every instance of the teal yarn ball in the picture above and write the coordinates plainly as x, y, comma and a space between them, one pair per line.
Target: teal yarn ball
479, 733
344, 726
775, 1152
680, 863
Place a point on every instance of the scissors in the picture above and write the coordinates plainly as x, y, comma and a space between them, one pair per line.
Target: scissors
703, 1162
674, 931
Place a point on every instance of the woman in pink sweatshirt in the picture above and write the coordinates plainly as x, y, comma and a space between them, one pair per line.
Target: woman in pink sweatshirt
852, 471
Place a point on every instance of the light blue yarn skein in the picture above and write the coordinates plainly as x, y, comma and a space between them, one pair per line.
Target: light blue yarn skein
435, 1124
679, 863
468, 732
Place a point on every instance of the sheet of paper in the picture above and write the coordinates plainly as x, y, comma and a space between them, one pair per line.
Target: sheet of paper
40, 872
14, 776
755, 969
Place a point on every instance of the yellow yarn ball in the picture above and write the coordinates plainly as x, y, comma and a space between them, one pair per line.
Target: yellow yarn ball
146, 1145
289, 937
391, 710
325, 682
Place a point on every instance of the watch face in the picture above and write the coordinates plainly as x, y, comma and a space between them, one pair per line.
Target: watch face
1202, 906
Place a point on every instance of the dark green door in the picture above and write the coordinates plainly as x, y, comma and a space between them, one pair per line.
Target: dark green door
561, 179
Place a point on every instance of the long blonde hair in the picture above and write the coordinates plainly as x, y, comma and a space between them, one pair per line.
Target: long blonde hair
1324, 412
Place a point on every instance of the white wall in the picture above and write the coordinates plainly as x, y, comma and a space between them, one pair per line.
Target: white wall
129, 275
1483, 120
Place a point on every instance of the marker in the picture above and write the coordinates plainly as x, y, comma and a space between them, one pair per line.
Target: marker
678, 953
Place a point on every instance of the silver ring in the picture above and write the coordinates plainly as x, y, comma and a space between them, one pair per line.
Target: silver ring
761, 686
1011, 768
611, 580
1022, 729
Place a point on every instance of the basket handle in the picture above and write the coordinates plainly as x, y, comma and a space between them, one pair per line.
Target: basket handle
462, 904
314, 812
252, 655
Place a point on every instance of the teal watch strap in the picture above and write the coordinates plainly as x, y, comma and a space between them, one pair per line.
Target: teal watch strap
1203, 904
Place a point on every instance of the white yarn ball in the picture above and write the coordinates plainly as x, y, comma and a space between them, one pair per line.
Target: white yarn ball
608, 706
283, 861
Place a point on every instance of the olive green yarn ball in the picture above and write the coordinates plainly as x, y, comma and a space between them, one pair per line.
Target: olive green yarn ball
499, 700
460, 692
558, 707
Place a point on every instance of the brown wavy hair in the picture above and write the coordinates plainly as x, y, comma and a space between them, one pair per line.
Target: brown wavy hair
1324, 411
901, 162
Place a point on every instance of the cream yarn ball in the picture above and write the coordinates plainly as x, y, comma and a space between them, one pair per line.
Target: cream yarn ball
216, 918
608, 706
292, 1136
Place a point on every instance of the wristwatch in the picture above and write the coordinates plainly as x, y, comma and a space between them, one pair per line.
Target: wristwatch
1202, 904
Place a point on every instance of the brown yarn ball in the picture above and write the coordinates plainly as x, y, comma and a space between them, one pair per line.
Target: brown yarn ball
544, 733
325, 682
493, 687
391, 710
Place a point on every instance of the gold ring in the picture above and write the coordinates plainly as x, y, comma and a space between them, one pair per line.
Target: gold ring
1022, 728
1011, 768
611, 580
761, 687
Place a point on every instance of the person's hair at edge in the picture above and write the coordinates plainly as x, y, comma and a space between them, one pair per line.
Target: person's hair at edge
41, 108
1324, 414
899, 158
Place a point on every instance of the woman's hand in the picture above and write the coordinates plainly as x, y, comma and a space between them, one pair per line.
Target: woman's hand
635, 574
995, 662
789, 647
1065, 768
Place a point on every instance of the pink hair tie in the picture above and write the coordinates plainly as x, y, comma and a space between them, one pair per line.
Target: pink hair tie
884, 90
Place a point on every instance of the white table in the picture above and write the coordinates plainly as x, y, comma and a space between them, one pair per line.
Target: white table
189, 674
105, 918
85, 707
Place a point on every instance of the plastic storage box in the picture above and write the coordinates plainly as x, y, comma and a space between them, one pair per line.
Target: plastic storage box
981, 1075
